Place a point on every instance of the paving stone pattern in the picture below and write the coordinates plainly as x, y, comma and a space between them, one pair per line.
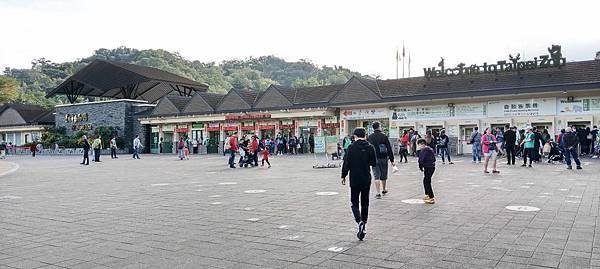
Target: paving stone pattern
160, 212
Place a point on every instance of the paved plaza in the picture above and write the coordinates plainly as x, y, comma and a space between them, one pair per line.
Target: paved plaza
160, 212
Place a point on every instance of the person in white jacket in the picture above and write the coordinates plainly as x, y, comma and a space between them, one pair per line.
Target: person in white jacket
137, 145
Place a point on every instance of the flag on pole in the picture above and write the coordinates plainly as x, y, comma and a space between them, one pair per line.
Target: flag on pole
409, 64
403, 54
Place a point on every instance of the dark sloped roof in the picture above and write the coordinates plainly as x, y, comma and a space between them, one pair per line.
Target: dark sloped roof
318, 94
31, 114
212, 99
248, 96
179, 101
110, 79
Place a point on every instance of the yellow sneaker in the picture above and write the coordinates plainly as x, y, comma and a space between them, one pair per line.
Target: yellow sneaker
426, 197
430, 201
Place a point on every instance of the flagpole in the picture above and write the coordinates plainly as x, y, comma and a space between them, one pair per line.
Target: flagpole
403, 59
409, 64
397, 62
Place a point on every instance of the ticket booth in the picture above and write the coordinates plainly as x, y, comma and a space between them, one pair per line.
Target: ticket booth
167, 138
465, 129
154, 138
214, 135
287, 128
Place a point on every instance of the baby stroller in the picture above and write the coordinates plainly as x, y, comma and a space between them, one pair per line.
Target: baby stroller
555, 154
245, 157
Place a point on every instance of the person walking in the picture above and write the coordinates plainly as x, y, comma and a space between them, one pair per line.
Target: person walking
233, 148
413, 142
255, 149
570, 141
33, 148
265, 154
384, 152
490, 150
444, 140
475, 141
113, 148
358, 162
500, 139
180, 146
86, 151
528, 144
137, 146
311, 143
97, 146
510, 142
403, 146
427, 166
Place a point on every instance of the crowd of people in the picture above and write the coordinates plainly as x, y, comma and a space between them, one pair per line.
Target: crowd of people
366, 157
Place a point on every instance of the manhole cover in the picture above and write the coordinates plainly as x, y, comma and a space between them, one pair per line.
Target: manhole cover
522, 208
326, 193
413, 201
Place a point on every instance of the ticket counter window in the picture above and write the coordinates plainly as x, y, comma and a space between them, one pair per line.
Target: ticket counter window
543, 125
580, 124
465, 132
167, 143
435, 129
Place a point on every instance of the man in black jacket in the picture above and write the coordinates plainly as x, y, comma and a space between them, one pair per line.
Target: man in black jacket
570, 141
510, 140
358, 162
86, 150
384, 152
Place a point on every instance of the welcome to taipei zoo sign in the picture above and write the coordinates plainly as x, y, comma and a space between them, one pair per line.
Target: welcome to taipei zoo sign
514, 64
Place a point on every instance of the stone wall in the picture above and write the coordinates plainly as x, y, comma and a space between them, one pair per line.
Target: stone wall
118, 114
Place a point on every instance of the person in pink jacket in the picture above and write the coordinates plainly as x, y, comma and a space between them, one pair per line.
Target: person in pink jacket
490, 150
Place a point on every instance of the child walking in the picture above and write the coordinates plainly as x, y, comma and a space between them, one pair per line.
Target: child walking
427, 166
265, 154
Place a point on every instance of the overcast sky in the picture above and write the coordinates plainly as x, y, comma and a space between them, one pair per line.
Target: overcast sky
360, 35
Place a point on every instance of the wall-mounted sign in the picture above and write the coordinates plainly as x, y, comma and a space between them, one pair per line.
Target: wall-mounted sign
154, 129
421, 112
197, 126
553, 59
248, 116
476, 110
333, 119
330, 125
287, 122
307, 122
168, 128
578, 106
524, 107
75, 118
363, 114
82, 127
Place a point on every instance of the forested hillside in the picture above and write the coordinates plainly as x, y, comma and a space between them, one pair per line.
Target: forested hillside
29, 85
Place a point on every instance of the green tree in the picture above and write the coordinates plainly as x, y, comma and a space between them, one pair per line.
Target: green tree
8, 89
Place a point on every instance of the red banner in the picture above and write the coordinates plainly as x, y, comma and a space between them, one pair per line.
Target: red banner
247, 128
287, 126
230, 128
266, 127
181, 130
330, 125
213, 129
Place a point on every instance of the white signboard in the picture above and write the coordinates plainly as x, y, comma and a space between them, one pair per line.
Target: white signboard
320, 145
421, 112
523, 107
476, 110
578, 106
363, 114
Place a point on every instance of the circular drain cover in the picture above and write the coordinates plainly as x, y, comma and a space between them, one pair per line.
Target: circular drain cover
522, 208
326, 193
413, 201
254, 191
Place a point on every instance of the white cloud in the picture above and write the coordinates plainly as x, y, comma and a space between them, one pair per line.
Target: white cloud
361, 35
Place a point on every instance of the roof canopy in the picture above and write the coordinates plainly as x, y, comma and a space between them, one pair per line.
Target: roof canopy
125, 81
24, 114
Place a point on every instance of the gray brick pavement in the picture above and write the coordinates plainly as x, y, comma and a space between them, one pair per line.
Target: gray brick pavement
163, 213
